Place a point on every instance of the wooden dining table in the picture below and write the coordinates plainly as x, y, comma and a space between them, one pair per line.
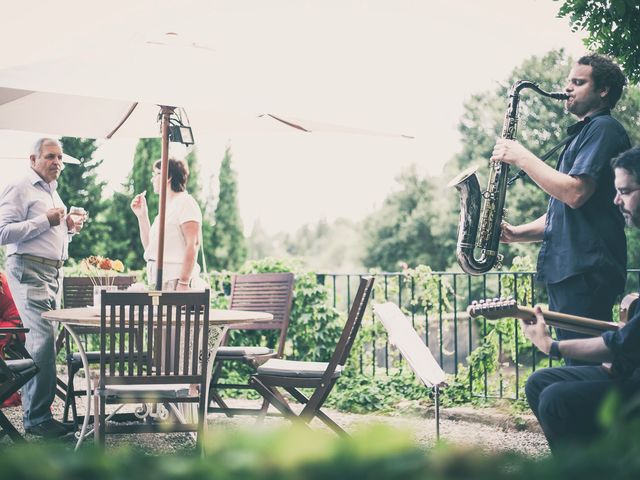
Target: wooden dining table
219, 321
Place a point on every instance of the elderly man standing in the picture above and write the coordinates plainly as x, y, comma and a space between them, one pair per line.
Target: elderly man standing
36, 229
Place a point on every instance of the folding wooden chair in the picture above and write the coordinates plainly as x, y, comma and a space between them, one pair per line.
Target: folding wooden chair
415, 352
154, 350
259, 292
13, 375
320, 376
77, 292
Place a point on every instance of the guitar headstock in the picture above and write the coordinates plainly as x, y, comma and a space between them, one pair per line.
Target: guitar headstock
494, 308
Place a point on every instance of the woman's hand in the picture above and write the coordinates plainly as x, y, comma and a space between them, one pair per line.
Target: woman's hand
139, 205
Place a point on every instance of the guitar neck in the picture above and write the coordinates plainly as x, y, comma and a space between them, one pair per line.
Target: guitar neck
567, 322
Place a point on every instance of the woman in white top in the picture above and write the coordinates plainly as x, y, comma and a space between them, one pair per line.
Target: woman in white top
182, 229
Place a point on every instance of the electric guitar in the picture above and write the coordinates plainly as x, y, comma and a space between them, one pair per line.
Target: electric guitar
496, 308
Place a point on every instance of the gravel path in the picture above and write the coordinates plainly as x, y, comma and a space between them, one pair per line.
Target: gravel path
487, 429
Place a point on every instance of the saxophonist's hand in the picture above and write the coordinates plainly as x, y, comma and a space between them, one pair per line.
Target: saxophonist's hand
511, 152
508, 233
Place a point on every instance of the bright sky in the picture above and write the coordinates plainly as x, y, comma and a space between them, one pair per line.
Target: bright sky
397, 67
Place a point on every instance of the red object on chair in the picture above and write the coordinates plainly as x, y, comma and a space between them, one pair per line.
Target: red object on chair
9, 317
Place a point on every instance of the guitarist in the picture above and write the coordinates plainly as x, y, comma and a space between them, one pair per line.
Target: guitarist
582, 260
566, 400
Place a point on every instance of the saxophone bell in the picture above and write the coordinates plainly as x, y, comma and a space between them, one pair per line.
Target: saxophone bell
468, 186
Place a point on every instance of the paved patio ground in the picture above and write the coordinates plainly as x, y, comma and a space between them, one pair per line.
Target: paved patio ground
486, 429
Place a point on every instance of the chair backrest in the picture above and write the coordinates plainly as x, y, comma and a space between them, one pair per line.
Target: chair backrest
351, 327
343, 348
265, 292
406, 339
154, 338
78, 291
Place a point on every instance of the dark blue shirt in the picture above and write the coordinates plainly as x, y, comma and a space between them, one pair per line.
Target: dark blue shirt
625, 346
590, 237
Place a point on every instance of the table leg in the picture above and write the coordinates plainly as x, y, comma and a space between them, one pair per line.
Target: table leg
216, 334
187, 412
87, 374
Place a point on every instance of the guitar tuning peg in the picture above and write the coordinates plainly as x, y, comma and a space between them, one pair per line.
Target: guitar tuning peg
482, 301
495, 299
474, 303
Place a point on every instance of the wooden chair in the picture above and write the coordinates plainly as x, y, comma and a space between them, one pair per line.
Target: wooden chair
320, 376
77, 292
262, 292
14, 374
415, 352
154, 348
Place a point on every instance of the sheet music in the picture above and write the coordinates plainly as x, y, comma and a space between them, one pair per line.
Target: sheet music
406, 339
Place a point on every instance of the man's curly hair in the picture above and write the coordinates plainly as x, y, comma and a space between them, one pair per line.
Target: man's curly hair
606, 73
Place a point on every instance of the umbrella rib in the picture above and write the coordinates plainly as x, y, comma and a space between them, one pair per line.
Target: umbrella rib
299, 127
124, 119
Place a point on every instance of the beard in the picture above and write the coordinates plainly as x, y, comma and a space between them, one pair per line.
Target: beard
631, 218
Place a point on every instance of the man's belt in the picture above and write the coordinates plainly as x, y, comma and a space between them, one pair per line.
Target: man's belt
44, 261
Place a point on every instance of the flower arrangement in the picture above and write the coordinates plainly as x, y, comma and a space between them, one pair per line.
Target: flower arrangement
101, 269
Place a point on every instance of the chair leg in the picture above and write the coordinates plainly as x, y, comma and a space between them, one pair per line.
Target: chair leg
99, 421
202, 418
437, 399
215, 397
272, 396
10, 430
70, 396
308, 413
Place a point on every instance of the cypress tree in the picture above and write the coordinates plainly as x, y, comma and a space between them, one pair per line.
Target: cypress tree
226, 246
79, 186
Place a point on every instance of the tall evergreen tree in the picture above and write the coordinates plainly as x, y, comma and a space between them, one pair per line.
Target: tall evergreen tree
225, 245
193, 184
123, 226
79, 186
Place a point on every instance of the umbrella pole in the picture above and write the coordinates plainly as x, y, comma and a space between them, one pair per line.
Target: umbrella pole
165, 113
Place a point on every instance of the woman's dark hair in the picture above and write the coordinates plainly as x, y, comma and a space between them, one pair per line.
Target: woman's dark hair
178, 173
630, 161
605, 73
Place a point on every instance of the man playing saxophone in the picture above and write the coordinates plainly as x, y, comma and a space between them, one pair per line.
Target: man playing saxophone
582, 260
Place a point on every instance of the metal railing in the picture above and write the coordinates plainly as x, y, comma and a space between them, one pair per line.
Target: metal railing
436, 303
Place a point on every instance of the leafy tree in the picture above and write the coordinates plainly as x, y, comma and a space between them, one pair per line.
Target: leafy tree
541, 126
613, 27
226, 248
401, 231
79, 186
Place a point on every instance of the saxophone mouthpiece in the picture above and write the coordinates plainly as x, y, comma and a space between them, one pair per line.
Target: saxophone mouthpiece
559, 95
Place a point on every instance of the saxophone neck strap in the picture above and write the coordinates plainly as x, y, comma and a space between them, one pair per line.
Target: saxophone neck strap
545, 157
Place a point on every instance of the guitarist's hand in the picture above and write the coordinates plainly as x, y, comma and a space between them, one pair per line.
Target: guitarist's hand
537, 332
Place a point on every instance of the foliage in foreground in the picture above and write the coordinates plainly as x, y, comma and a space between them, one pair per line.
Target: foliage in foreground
373, 453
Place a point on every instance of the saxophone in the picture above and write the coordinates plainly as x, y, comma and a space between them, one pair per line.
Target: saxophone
485, 209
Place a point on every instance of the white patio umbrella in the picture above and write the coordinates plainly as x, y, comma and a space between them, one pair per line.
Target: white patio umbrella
126, 87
